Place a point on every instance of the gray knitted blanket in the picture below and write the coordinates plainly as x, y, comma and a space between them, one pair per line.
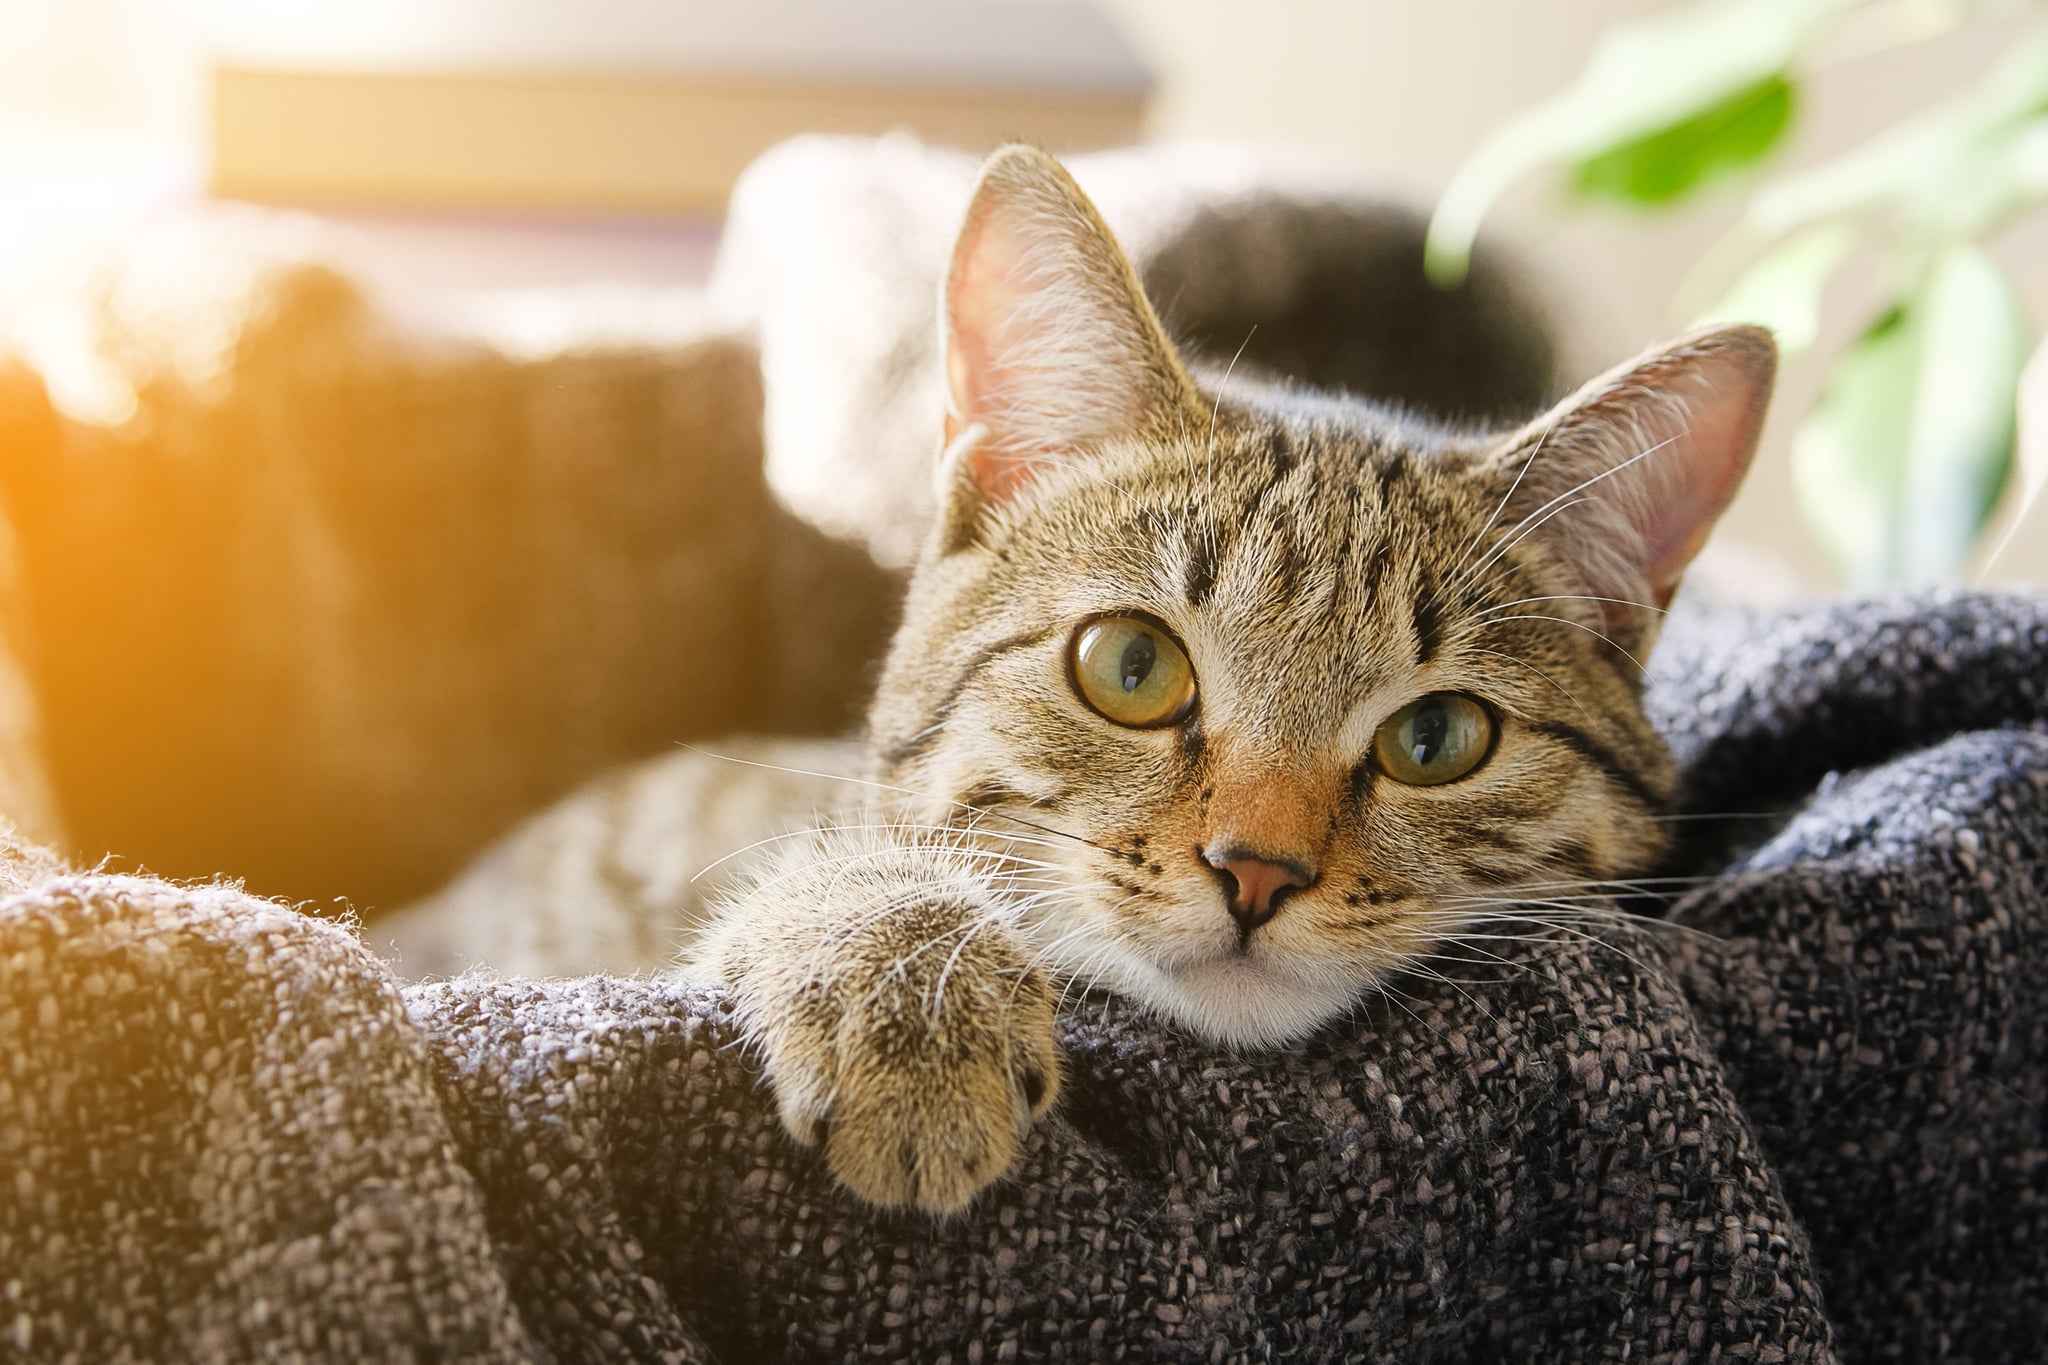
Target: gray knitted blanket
1797, 1114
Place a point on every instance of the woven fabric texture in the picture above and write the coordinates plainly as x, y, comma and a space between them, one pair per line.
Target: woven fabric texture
1797, 1114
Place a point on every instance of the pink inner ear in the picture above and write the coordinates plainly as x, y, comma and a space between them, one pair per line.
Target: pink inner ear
1713, 429
980, 303
977, 293
1051, 348
1692, 413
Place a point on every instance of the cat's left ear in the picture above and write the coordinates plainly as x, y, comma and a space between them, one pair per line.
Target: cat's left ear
1626, 477
1050, 346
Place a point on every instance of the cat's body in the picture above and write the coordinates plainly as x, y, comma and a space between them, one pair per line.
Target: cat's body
1233, 699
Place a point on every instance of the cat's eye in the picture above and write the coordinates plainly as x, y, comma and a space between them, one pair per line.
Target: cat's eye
1437, 739
1132, 671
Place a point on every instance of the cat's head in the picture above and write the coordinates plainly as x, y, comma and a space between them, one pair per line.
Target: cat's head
1293, 681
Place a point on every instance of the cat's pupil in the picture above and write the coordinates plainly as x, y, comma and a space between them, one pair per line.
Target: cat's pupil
1427, 732
1137, 661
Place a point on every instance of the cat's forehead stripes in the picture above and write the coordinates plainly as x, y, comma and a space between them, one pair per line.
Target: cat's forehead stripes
1293, 558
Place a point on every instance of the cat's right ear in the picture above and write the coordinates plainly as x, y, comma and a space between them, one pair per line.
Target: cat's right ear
1630, 472
1050, 347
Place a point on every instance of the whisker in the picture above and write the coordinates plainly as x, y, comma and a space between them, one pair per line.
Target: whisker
952, 961
1584, 936
1494, 520
1721, 815
1434, 974
1573, 597
813, 831
1515, 535
1651, 928
1385, 986
1547, 507
1209, 444
1513, 659
844, 861
1488, 954
1416, 965
898, 969
1589, 883
979, 811
1526, 895
1586, 906
1563, 621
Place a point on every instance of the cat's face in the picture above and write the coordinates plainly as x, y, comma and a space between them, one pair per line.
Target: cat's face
1280, 687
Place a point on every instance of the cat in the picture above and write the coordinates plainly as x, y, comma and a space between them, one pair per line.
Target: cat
1230, 697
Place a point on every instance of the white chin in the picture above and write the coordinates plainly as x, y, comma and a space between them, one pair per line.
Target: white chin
1232, 998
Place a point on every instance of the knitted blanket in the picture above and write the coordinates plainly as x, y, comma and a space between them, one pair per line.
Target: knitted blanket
1797, 1114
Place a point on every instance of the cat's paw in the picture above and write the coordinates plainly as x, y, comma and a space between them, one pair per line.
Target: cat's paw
910, 1036
928, 1096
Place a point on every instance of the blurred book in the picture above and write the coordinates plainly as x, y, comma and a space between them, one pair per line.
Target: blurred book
637, 106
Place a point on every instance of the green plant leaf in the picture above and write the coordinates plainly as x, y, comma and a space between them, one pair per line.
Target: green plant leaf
1643, 78
1901, 461
1973, 346
1927, 159
1672, 161
2001, 177
1783, 290
2030, 448
1847, 454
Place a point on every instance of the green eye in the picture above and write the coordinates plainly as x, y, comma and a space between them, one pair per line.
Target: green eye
1437, 739
1132, 671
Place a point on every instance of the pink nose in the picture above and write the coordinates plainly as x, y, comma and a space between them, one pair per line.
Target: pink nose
1254, 886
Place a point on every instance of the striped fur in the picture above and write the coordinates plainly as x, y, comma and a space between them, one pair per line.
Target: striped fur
1323, 562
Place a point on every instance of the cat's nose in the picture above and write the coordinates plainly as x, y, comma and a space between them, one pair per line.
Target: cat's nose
1253, 884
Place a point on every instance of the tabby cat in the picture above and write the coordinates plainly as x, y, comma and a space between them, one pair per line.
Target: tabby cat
1224, 696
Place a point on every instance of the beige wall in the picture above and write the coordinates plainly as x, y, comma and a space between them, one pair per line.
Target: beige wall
1407, 86
1410, 87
